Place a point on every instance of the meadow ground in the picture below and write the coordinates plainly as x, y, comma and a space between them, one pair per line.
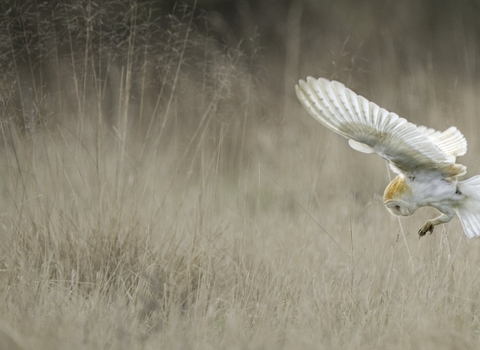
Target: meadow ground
156, 200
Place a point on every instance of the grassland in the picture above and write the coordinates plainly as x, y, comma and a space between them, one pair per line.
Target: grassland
155, 193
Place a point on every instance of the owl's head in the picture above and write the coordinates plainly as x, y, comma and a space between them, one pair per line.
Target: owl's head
400, 208
397, 197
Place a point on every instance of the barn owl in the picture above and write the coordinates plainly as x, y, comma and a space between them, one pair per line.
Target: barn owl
423, 158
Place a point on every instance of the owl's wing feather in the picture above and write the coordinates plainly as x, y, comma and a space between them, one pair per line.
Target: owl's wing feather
409, 148
451, 142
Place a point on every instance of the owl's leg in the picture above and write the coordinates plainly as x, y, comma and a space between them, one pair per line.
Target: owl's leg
430, 224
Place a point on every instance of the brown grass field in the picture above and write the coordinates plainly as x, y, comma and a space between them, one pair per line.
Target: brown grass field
158, 193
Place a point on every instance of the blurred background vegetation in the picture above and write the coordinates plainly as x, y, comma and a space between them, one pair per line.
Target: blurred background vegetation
365, 37
353, 41
154, 162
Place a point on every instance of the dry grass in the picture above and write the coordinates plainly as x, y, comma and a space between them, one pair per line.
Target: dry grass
151, 197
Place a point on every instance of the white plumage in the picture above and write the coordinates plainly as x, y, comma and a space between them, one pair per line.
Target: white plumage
423, 158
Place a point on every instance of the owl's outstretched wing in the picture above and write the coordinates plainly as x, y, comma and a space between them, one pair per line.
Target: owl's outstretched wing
371, 129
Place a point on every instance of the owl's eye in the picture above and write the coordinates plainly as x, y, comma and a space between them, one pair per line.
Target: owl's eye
397, 207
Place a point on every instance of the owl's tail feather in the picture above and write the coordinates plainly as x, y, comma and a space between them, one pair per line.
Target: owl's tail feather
469, 210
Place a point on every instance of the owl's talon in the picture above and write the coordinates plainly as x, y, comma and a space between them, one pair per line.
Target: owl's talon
427, 227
